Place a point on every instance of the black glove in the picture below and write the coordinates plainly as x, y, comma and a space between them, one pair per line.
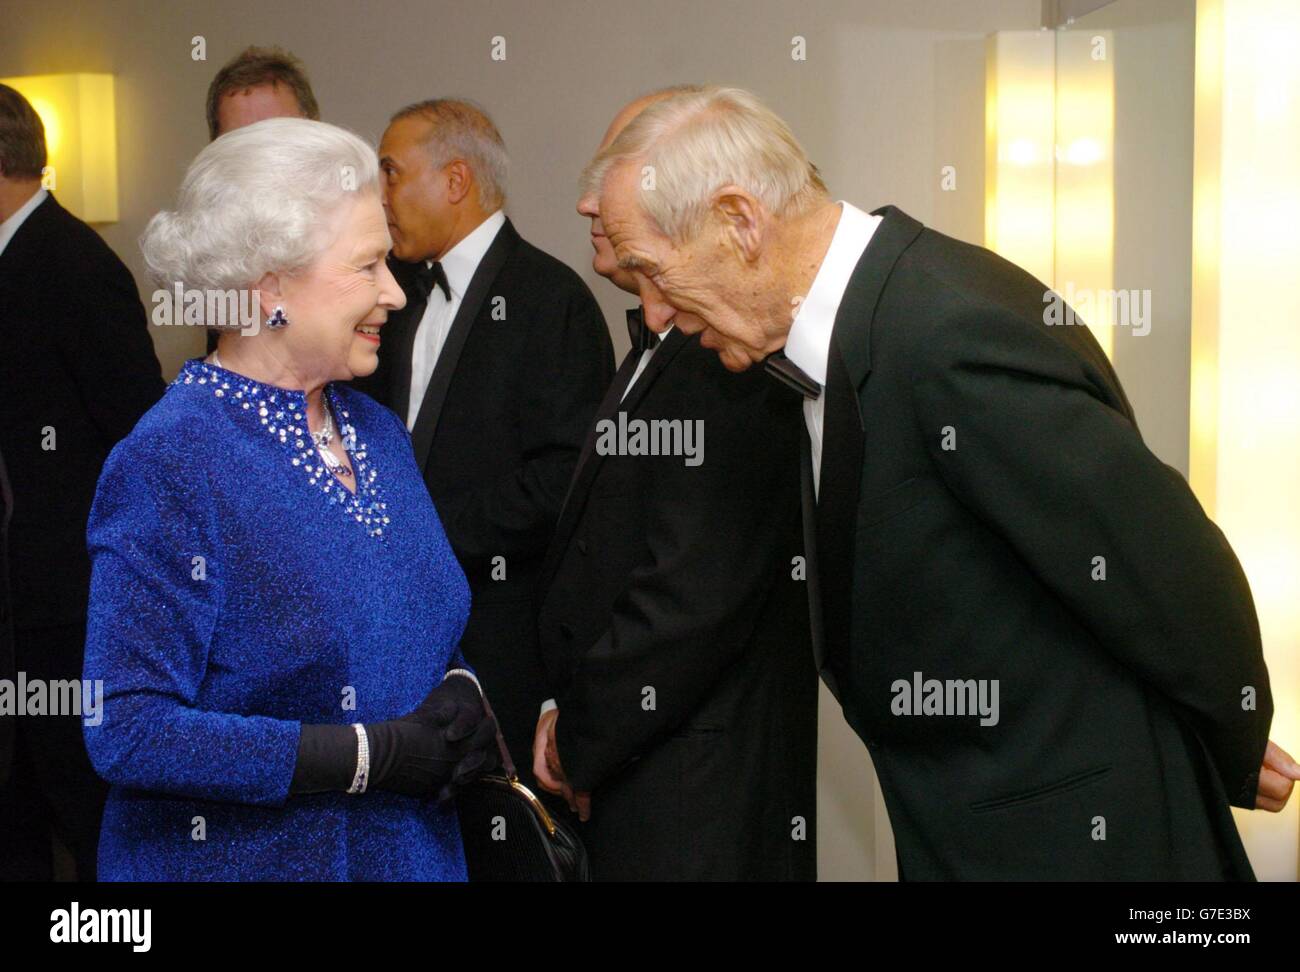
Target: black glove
448, 741
406, 756
457, 706
327, 759
412, 757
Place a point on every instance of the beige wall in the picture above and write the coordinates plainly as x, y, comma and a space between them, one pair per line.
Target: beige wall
889, 93
1154, 54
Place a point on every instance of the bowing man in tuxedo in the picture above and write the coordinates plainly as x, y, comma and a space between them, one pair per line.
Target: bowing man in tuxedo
1048, 648
496, 364
77, 370
674, 623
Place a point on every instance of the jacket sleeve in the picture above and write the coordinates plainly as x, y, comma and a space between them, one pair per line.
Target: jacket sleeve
571, 362
1033, 441
153, 610
713, 551
401, 438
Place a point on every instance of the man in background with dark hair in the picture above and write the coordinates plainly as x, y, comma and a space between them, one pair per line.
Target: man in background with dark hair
256, 84
77, 370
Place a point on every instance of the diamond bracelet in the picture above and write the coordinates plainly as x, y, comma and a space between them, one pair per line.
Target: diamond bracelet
362, 776
468, 674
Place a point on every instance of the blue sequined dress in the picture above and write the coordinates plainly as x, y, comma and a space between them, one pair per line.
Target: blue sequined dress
238, 592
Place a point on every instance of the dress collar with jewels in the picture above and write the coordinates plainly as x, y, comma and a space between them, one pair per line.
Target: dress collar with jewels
282, 414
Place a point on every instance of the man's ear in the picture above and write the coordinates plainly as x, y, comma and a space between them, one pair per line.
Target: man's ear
271, 292
460, 180
742, 219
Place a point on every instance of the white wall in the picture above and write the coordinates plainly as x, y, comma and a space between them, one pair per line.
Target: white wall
1153, 50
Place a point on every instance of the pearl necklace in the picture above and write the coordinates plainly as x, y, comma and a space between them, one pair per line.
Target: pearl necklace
323, 438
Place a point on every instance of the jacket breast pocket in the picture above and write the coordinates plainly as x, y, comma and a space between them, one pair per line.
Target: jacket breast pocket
1044, 792
695, 729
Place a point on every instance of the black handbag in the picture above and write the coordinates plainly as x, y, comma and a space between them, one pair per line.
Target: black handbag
510, 836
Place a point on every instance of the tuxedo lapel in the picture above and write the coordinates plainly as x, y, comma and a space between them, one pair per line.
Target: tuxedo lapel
837, 510
400, 339
426, 422
895, 234
812, 572
668, 347
848, 365
589, 459
583, 472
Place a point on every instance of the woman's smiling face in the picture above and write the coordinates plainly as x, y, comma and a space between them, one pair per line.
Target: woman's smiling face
338, 305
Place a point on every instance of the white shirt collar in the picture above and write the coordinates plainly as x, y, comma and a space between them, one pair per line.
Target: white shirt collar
808, 344
463, 259
10, 226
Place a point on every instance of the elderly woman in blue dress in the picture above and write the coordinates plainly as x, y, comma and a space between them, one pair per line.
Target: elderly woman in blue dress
275, 609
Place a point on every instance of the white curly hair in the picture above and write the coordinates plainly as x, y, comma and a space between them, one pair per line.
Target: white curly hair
257, 200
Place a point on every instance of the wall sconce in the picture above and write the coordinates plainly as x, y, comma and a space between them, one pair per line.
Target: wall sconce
81, 138
1049, 163
1245, 404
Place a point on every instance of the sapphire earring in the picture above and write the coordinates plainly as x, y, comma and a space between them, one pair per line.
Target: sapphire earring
277, 319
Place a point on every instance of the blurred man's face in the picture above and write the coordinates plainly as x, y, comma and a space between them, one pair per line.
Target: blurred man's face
700, 286
240, 108
604, 261
419, 211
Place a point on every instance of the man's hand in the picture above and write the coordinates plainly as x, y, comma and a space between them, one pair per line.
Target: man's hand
547, 768
582, 802
551, 780
1276, 778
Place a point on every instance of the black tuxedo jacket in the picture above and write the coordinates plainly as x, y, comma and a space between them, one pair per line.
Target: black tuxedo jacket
8, 670
518, 379
978, 462
75, 358
674, 632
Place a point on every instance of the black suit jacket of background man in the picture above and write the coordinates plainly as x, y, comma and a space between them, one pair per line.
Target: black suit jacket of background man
7, 668
77, 370
76, 358
511, 397
977, 462
681, 580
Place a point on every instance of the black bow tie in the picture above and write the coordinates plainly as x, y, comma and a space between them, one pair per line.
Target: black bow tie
643, 339
791, 375
426, 277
